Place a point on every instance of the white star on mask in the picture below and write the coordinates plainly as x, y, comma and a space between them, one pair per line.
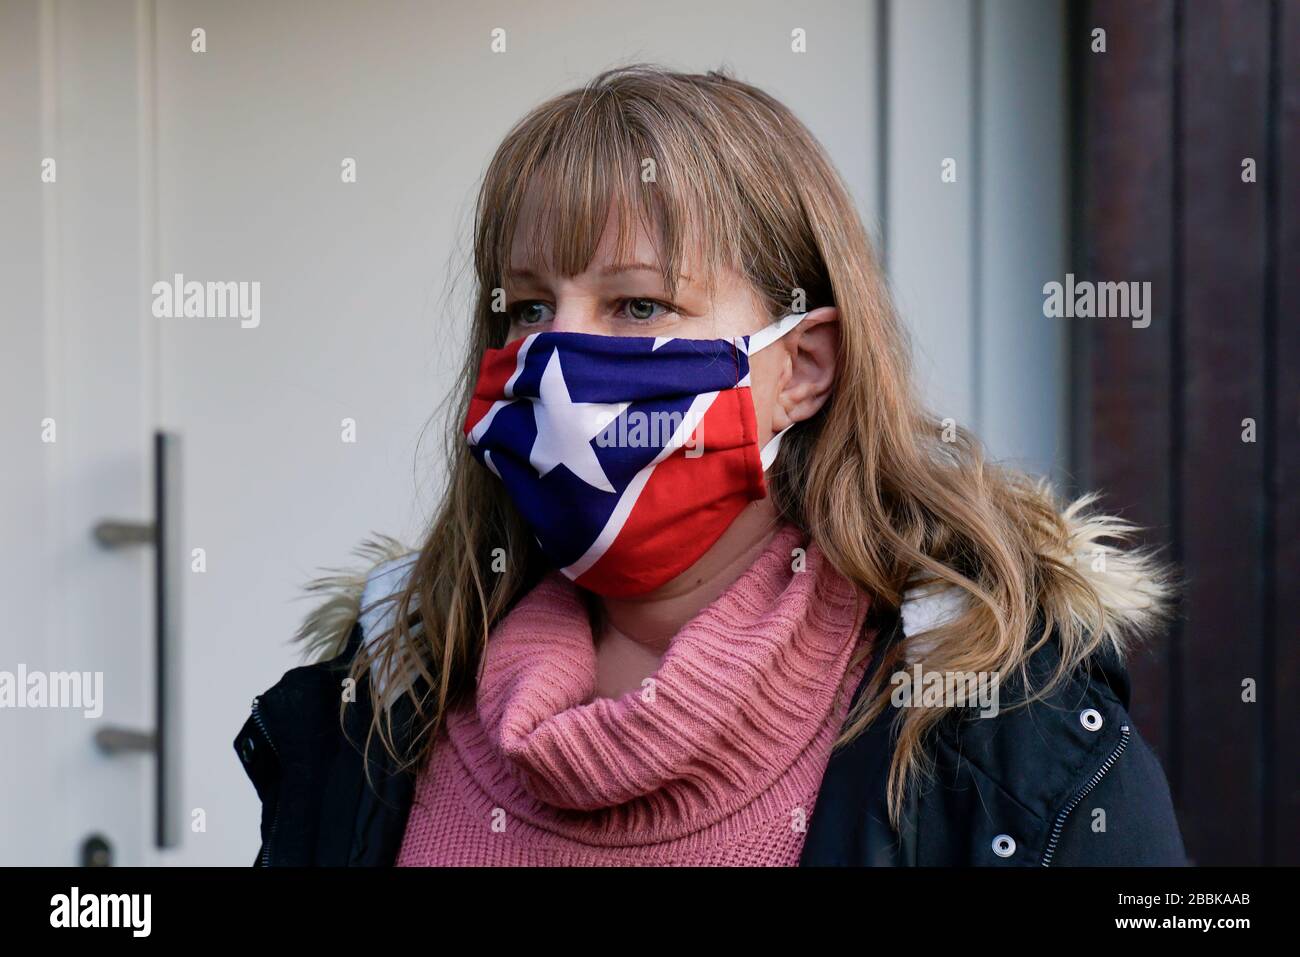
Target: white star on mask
565, 429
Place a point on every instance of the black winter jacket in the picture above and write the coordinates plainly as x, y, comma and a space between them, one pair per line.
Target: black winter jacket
1066, 781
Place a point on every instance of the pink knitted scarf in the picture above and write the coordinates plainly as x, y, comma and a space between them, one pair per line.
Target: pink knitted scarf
717, 759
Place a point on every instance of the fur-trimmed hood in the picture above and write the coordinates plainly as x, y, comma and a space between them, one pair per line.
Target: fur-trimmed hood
1132, 586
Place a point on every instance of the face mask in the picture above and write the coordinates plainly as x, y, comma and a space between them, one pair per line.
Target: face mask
628, 457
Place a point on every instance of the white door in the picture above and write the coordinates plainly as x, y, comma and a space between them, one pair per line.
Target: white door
76, 372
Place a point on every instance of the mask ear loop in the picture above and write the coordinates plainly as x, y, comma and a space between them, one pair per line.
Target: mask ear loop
761, 340
770, 333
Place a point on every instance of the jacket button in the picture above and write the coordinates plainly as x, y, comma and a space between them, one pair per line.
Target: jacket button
1091, 719
1004, 845
247, 750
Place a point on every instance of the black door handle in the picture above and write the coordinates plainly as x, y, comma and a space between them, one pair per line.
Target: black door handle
164, 534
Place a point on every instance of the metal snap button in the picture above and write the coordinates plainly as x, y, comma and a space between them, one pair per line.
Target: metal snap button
1091, 719
1004, 845
247, 751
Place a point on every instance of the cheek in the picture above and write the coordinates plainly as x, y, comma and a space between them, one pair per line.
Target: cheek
763, 376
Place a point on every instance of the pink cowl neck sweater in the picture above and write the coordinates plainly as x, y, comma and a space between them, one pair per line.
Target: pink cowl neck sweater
716, 760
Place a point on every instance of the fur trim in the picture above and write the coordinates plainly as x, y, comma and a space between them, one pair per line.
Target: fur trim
1132, 586
324, 633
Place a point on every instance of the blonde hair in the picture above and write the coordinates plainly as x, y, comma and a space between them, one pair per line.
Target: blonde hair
891, 504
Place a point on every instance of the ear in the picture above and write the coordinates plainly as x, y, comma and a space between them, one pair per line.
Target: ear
809, 355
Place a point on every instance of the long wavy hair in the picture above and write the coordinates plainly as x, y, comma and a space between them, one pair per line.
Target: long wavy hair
894, 499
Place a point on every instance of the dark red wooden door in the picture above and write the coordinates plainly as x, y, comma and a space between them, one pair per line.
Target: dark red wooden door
1191, 426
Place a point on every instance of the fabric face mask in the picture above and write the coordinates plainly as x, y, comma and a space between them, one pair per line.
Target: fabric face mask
628, 457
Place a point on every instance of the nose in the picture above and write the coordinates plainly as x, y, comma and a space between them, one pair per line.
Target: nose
578, 314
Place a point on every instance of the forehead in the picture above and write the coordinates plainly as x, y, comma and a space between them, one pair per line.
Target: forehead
622, 235
569, 241
535, 244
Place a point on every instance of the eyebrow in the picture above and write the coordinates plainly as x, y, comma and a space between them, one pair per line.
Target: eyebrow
614, 269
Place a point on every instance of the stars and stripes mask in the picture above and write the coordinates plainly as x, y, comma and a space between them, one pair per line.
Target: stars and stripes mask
628, 457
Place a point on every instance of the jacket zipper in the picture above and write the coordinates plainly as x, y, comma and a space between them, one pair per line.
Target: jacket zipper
275, 818
1083, 792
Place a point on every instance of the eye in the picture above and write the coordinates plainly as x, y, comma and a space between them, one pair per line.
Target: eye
643, 310
529, 312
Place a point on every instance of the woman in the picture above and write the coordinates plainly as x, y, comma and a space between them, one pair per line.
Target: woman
708, 585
